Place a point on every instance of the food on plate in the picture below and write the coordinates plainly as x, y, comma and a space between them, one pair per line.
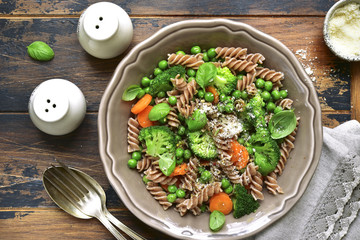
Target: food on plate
212, 129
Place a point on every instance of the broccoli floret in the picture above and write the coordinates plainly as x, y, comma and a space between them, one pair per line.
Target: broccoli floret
225, 81
202, 145
265, 149
255, 113
162, 82
158, 140
244, 203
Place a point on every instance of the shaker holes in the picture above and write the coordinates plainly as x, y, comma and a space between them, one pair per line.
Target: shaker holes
100, 18
97, 26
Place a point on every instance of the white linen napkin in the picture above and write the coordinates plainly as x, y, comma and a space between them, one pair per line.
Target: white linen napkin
330, 205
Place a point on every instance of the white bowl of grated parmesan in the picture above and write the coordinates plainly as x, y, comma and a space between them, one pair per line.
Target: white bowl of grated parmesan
342, 29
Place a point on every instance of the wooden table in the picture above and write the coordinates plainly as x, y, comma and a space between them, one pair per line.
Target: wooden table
26, 211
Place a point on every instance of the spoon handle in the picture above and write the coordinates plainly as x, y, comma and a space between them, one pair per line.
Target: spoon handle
110, 227
122, 227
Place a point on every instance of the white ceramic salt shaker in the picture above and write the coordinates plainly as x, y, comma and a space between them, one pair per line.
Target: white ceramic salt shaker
57, 107
105, 30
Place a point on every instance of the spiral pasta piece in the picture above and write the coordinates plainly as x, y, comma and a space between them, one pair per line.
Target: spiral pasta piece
251, 89
202, 196
184, 104
272, 185
231, 52
255, 58
185, 60
269, 75
285, 103
156, 175
144, 163
179, 83
133, 134
159, 194
245, 81
250, 171
172, 119
230, 170
239, 65
189, 179
256, 186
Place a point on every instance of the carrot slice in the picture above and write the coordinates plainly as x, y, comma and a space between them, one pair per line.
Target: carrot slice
141, 104
143, 117
239, 154
221, 202
179, 170
214, 92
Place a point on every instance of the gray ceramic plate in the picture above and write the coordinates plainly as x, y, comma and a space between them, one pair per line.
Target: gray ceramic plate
141, 60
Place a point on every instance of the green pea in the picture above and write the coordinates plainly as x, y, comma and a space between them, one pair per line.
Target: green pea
260, 83
161, 94
157, 71
205, 57
181, 117
140, 94
180, 52
268, 86
275, 94
163, 64
172, 100
179, 153
270, 106
222, 97
191, 72
177, 138
147, 89
244, 95
201, 94
211, 53
181, 130
179, 161
145, 81
195, 50
229, 108
266, 95
136, 155
206, 176
209, 97
172, 188
240, 76
283, 93
213, 60
278, 109
145, 179
225, 183
187, 154
229, 189
162, 121
132, 163
190, 79
236, 94
171, 197
180, 193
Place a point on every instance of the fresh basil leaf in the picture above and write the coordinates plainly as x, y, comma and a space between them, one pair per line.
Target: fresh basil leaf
205, 74
40, 51
196, 121
282, 124
217, 220
131, 92
167, 163
159, 111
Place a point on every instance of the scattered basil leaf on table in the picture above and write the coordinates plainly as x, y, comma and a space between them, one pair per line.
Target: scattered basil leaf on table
205, 74
40, 51
159, 111
131, 92
282, 124
217, 220
167, 163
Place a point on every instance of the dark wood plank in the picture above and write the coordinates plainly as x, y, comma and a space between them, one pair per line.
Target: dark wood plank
44, 224
20, 74
173, 7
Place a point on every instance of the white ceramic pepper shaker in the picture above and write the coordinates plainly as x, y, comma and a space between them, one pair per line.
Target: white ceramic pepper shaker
105, 30
57, 106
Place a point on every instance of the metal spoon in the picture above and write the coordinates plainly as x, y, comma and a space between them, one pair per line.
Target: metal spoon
81, 196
